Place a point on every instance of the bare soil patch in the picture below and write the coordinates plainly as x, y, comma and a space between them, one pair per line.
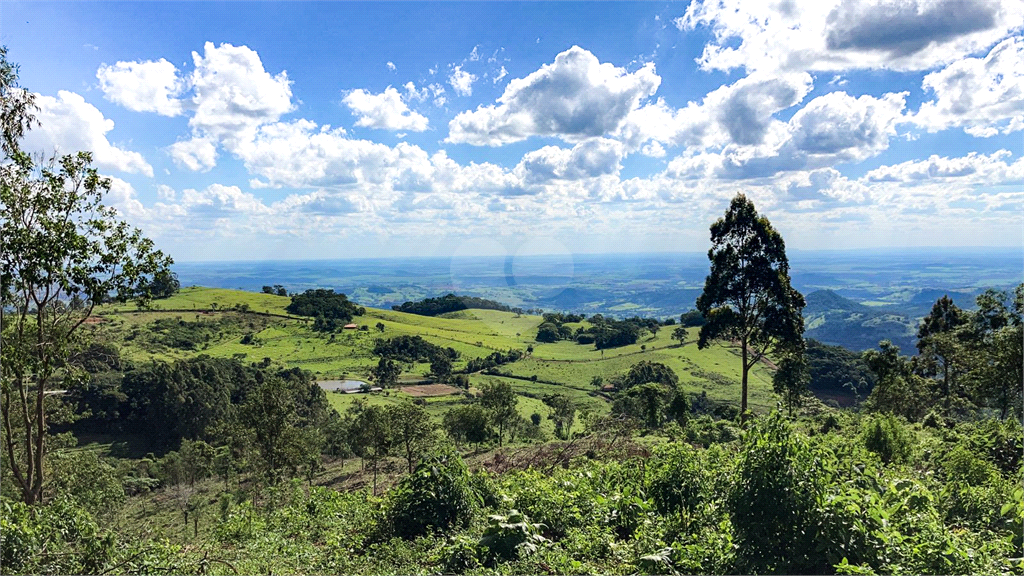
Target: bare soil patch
422, 390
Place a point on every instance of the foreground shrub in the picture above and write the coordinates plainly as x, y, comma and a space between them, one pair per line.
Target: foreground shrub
772, 500
510, 536
437, 495
888, 438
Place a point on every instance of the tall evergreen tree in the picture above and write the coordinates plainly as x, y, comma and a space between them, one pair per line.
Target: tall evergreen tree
747, 296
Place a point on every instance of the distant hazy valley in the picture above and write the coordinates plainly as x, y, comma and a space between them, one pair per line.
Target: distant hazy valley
854, 298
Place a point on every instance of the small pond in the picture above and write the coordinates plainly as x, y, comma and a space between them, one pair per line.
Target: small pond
343, 385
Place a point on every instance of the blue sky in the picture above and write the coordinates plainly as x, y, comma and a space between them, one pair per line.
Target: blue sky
325, 130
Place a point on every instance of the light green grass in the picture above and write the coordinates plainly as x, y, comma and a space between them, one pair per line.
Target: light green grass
563, 366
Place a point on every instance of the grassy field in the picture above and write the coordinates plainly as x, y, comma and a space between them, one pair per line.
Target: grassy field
561, 367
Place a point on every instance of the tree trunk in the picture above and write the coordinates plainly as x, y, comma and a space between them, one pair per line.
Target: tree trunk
374, 476
743, 401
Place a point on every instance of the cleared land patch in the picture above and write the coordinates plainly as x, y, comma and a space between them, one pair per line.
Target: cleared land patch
424, 390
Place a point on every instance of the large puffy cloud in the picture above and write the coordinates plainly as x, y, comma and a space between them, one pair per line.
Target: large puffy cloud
233, 95
588, 159
847, 34
301, 154
843, 128
739, 113
198, 154
830, 129
69, 124
574, 98
143, 86
385, 111
985, 96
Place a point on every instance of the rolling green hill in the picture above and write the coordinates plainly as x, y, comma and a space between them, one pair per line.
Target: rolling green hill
219, 320
833, 319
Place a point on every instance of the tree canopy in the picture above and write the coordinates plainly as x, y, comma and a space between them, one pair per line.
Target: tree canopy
747, 296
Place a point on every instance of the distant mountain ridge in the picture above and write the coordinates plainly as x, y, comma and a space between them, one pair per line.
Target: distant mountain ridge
834, 319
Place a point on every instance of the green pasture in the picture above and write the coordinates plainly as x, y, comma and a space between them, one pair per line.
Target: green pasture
563, 366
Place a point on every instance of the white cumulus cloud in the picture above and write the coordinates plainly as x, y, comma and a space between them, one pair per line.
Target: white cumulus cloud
847, 34
233, 94
69, 124
574, 98
385, 111
984, 96
143, 86
198, 154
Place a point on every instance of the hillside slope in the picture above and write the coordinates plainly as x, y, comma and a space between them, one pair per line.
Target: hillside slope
216, 321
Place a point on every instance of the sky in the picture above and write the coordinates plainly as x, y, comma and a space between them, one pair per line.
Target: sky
256, 131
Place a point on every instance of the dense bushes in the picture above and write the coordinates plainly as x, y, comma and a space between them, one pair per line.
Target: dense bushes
449, 303
768, 499
326, 304
436, 496
411, 349
772, 501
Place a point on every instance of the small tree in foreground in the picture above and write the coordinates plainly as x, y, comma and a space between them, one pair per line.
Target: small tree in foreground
747, 295
63, 253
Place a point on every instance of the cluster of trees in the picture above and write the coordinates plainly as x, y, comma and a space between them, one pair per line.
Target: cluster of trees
967, 361
276, 290
409, 349
491, 416
452, 303
202, 398
332, 310
493, 360
602, 333
650, 394
836, 370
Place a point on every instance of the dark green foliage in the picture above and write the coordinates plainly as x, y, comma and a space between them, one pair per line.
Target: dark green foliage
468, 423
645, 372
411, 349
692, 319
188, 399
284, 414
612, 334
510, 536
163, 285
436, 496
747, 296
493, 360
449, 303
772, 502
899, 390
790, 380
386, 373
836, 370
886, 436
413, 431
563, 412
548, 332
326, 304
500, 400
441, 367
